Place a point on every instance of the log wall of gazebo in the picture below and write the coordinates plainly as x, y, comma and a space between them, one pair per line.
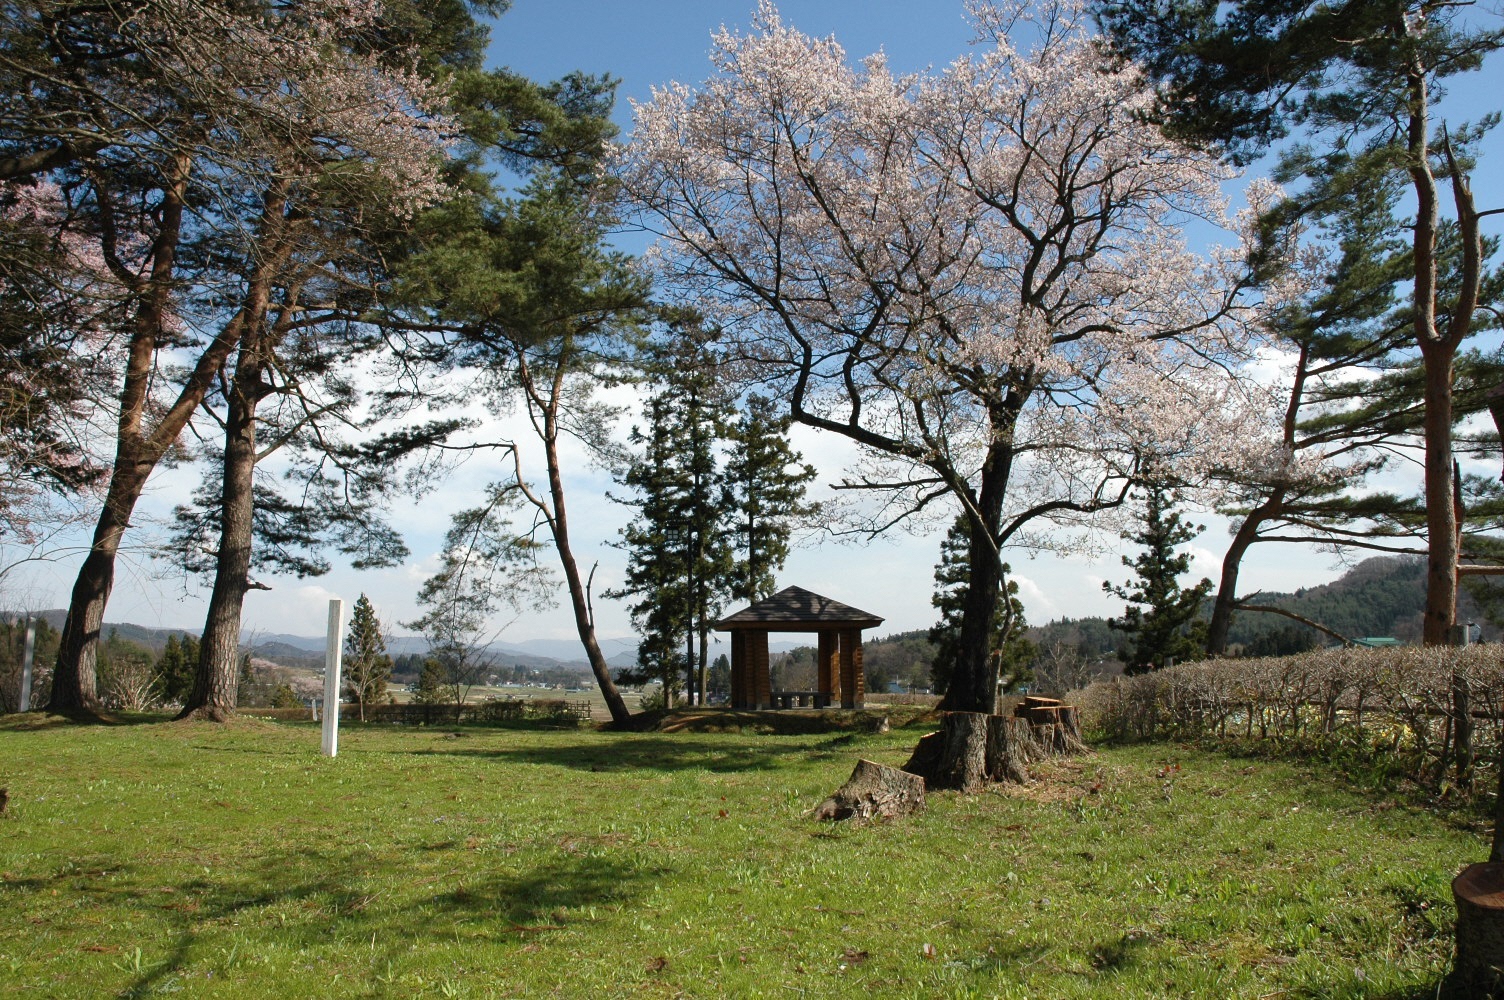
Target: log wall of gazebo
840, 678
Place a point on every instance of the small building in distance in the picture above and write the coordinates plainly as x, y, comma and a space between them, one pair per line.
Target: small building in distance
838, 661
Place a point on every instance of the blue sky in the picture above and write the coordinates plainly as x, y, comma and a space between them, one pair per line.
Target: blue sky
644, 44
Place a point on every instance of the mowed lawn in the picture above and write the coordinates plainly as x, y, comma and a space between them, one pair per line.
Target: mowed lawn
207, 861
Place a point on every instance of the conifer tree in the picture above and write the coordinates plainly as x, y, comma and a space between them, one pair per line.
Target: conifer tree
176, 667
657, 568
1362, 82
367, 667
764, 496
1163, 620
680, 561
429, 690
1009, 652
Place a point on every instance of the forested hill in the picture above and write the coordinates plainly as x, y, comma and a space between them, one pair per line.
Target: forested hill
1379, 597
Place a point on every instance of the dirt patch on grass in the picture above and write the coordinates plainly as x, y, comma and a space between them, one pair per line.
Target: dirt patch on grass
1067, 779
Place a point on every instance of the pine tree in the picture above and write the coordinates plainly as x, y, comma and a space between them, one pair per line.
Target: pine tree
1163, 621
1009, 652
764, 495
367, 667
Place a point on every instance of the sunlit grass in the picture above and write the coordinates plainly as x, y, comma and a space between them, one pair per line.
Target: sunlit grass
236, 862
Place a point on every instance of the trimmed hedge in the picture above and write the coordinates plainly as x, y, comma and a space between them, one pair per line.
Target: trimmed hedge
1435, 712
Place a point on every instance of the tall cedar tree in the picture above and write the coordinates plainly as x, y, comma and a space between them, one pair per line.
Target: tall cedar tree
1163, 620
681, 559
1362, 79
764, 496
1008, 651
656, 570
367, 667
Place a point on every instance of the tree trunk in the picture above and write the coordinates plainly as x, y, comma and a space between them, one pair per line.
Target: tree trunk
874, 790
558, 522
972, 685
137, 451
216, 683
1441, 515
1227, 587
1438, 352
73, 676
958, 758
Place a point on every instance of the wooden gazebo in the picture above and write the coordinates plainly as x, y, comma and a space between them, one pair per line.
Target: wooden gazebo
794, 609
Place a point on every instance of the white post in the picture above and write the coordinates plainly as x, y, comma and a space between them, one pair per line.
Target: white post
31, 648
332, 658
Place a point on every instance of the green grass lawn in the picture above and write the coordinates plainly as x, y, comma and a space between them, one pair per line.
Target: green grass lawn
207, 861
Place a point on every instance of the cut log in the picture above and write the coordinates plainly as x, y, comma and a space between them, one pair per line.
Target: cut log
874, 790
1478, 970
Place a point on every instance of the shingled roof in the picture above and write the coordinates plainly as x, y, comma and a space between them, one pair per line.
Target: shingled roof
794, 609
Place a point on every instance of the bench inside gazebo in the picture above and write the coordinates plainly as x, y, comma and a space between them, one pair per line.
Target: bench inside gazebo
838, 661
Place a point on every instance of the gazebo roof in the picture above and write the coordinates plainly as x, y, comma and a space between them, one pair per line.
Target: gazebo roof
794, 609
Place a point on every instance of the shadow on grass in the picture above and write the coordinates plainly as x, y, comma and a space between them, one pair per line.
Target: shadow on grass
35, 721
346, 898
1118, 954
656, 753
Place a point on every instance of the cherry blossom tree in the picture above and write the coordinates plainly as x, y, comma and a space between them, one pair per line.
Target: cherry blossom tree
978, 275
55, 297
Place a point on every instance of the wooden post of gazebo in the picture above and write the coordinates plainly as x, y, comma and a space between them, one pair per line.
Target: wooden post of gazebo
838, 669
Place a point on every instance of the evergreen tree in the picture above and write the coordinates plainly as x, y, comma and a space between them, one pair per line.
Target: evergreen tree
680, 561
429, 689
1362, 81
176, 667
367, 667
1163, 620
764, 496
1009, 652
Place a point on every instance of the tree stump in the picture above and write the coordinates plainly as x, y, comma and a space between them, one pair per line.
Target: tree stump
1478, 970
874, 790
1010, 749
956, 756
1057, 727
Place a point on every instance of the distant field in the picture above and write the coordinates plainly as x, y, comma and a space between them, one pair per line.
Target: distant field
590, 694
204, 861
